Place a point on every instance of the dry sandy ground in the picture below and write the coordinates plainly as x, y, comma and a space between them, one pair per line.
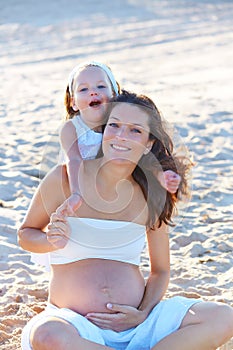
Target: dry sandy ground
180, 53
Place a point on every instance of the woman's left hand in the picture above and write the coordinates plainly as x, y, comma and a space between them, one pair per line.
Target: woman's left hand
123, 317
58, 231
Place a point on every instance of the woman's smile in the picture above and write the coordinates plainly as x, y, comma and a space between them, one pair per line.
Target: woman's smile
120, 148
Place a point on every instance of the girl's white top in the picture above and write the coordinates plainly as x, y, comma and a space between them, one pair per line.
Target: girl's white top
89, 141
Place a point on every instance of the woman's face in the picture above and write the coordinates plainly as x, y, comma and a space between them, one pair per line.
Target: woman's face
126, 136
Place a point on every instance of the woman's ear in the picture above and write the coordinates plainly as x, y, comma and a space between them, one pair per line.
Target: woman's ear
148, 147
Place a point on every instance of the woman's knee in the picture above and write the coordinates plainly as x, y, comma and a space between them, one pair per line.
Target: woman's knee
217, 317
225, 317
51, 334
221, 321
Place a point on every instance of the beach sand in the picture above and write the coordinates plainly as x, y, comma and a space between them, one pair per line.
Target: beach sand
180, 53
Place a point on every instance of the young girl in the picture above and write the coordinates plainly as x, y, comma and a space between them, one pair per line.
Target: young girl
91, 86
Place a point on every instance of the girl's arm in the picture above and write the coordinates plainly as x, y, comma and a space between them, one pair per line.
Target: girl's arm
49, 195
69, 144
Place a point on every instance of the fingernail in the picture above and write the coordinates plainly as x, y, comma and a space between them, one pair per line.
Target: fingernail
109, 306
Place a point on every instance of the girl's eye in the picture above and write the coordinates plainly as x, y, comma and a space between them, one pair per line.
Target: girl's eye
101, 86
83, 89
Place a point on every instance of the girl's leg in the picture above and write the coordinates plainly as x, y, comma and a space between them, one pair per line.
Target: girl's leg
56, 333
206, 326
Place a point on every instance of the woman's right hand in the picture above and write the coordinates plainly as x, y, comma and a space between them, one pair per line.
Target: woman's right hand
58, 232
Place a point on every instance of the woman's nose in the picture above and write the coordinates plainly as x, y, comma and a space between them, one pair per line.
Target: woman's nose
122, 133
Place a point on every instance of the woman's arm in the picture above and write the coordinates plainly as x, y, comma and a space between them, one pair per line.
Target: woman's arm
159, 254
49, 195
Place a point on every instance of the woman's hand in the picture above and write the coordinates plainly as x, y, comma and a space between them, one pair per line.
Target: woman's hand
121, 318
58, 231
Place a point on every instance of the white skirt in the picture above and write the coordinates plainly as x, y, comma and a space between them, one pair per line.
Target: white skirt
164, 319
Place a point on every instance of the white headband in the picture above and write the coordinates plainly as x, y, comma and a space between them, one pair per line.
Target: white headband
97, 64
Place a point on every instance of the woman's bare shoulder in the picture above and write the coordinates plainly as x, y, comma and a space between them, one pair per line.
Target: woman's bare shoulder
56, 180
48, 196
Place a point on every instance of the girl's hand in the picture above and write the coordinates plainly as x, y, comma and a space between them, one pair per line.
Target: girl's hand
121, 318
169, 180
58, 232
70, 205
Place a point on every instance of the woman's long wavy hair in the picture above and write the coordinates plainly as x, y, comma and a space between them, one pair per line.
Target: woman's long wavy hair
161, 203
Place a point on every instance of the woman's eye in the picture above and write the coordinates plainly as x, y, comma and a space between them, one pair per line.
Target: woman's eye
136, 131
113, 125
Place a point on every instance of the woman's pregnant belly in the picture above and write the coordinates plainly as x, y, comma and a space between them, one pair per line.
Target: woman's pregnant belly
88, 285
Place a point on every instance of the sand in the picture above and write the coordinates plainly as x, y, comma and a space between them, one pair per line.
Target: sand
180, 53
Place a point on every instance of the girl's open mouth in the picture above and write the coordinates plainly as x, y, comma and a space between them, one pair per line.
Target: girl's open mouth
95, 103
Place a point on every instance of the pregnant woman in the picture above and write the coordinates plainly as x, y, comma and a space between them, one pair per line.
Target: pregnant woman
98, 298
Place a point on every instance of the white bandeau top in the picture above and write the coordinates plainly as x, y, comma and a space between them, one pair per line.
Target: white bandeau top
97, 238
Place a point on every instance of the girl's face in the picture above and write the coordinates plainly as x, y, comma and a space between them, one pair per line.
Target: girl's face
91, 91
126, 136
